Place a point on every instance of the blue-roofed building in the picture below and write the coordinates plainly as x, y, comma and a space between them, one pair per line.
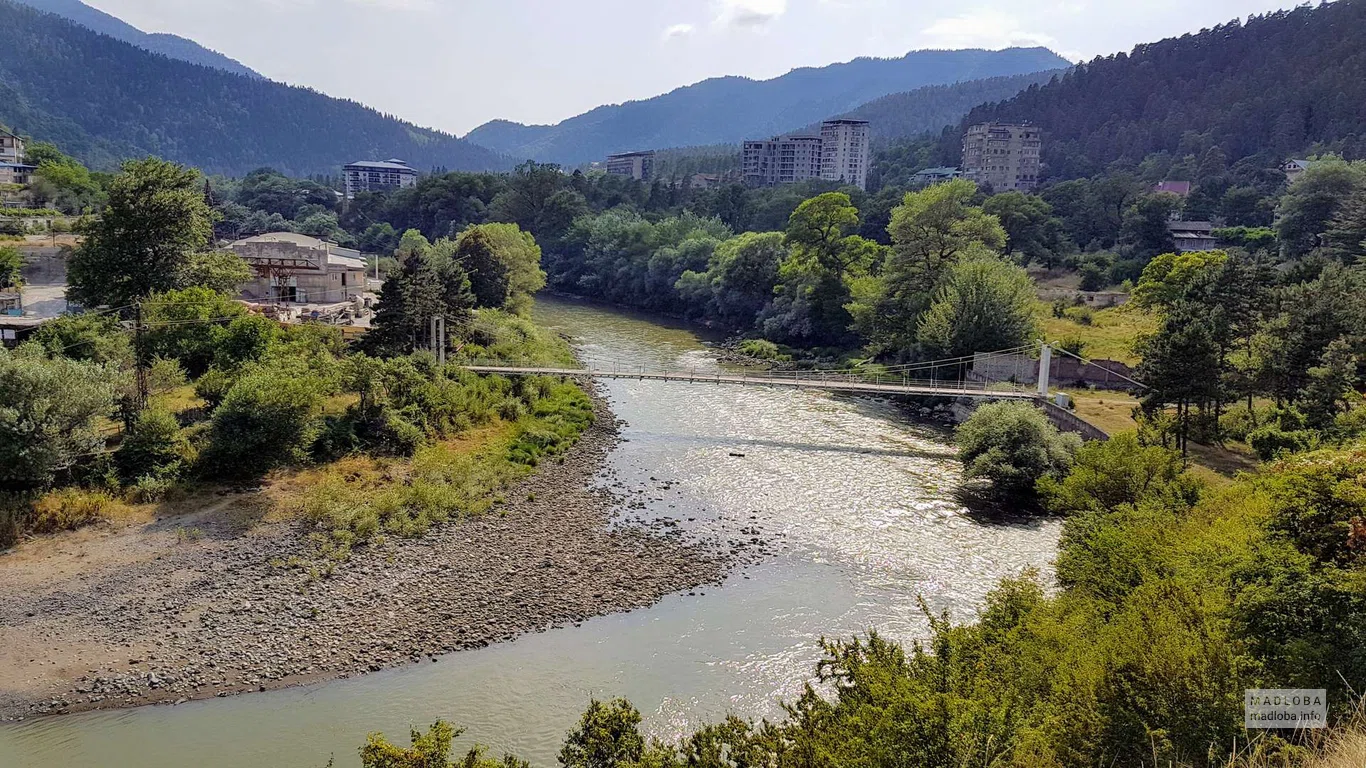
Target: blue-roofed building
17, 173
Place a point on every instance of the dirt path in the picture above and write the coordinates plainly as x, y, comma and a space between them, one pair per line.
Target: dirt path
188, 607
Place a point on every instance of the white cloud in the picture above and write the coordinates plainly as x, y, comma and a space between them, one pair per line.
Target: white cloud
983, 28
749, 13
677, 31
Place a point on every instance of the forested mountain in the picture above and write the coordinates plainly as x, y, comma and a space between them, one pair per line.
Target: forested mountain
1274, 86
103, 100
929, 109
173, 46
730, 109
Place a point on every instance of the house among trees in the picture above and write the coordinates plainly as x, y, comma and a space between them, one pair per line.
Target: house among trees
302, 269
1193, 236
1293, 168
1178, 188
366, 176
11, 147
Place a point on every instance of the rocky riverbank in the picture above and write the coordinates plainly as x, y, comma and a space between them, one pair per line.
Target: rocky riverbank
144, 614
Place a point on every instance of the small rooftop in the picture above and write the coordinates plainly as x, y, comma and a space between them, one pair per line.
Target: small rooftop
392, 164
303, 241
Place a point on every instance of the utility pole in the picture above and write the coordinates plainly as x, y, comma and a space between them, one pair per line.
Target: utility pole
1045, 368
438, 339
139, 360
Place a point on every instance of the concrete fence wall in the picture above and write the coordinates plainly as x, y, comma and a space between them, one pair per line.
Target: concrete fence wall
1065, 371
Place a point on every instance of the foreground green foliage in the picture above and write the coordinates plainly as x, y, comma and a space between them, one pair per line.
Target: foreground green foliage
1174, 598
1013, 446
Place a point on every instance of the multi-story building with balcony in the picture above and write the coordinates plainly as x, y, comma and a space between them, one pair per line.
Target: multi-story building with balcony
1004, 156
782, 160
11, 148
638, 165
844, 152
366, 176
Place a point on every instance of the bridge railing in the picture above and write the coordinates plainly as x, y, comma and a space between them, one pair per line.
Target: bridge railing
810, 377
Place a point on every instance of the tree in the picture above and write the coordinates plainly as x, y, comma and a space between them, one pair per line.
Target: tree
409, 299
1331, 384
10, 264
219, 271
986, 304
1014, 446
931, 230
503, 264
1182, 365
429, 750
155, 221
1032, 232
607, 736
88, 338
49, 415
1146, 233
739, 280
1346, 235
1169, 277
1308, 209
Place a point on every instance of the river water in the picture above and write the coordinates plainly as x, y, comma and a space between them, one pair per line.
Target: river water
859, 498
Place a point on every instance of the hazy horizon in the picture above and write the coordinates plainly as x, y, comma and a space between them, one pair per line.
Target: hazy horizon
529, 62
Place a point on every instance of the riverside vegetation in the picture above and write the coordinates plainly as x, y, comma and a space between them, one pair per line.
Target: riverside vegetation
236, 396
1174, 597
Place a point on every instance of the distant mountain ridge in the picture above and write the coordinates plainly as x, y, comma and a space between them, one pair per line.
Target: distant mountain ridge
1267, 88
174, 46
104, 100
935, 107
730, 109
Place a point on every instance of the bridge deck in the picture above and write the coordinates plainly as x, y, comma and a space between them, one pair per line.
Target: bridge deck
799, 380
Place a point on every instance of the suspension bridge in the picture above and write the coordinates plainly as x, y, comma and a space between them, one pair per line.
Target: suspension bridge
948, 378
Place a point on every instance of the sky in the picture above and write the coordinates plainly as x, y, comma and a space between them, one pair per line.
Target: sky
455, 64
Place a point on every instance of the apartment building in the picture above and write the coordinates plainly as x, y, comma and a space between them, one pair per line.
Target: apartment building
367, 176
844, 152
839, 154
782, 160
11, 148
638, 165
1004, 156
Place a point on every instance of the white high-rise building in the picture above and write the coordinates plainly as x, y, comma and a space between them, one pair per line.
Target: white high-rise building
844, 152
839, 154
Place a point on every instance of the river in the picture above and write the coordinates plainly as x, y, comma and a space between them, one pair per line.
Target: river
859, 498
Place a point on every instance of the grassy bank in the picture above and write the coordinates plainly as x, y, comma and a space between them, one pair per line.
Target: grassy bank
356, 447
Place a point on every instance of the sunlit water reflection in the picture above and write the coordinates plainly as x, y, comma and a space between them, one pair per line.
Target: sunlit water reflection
859, 499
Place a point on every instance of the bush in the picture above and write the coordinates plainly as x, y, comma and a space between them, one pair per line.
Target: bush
269, 419
73, 508
1093, 277
763, 349
151, 489
153, 448
49, 415
1081, 315
1271, 441
1013, 446
213, 386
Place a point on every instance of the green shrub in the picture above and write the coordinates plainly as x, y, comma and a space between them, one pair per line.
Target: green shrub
1013, 446
150, 489
154, 447
763, 349
270, 418
1093, 277
213, 386
1271, 441
1081, 315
